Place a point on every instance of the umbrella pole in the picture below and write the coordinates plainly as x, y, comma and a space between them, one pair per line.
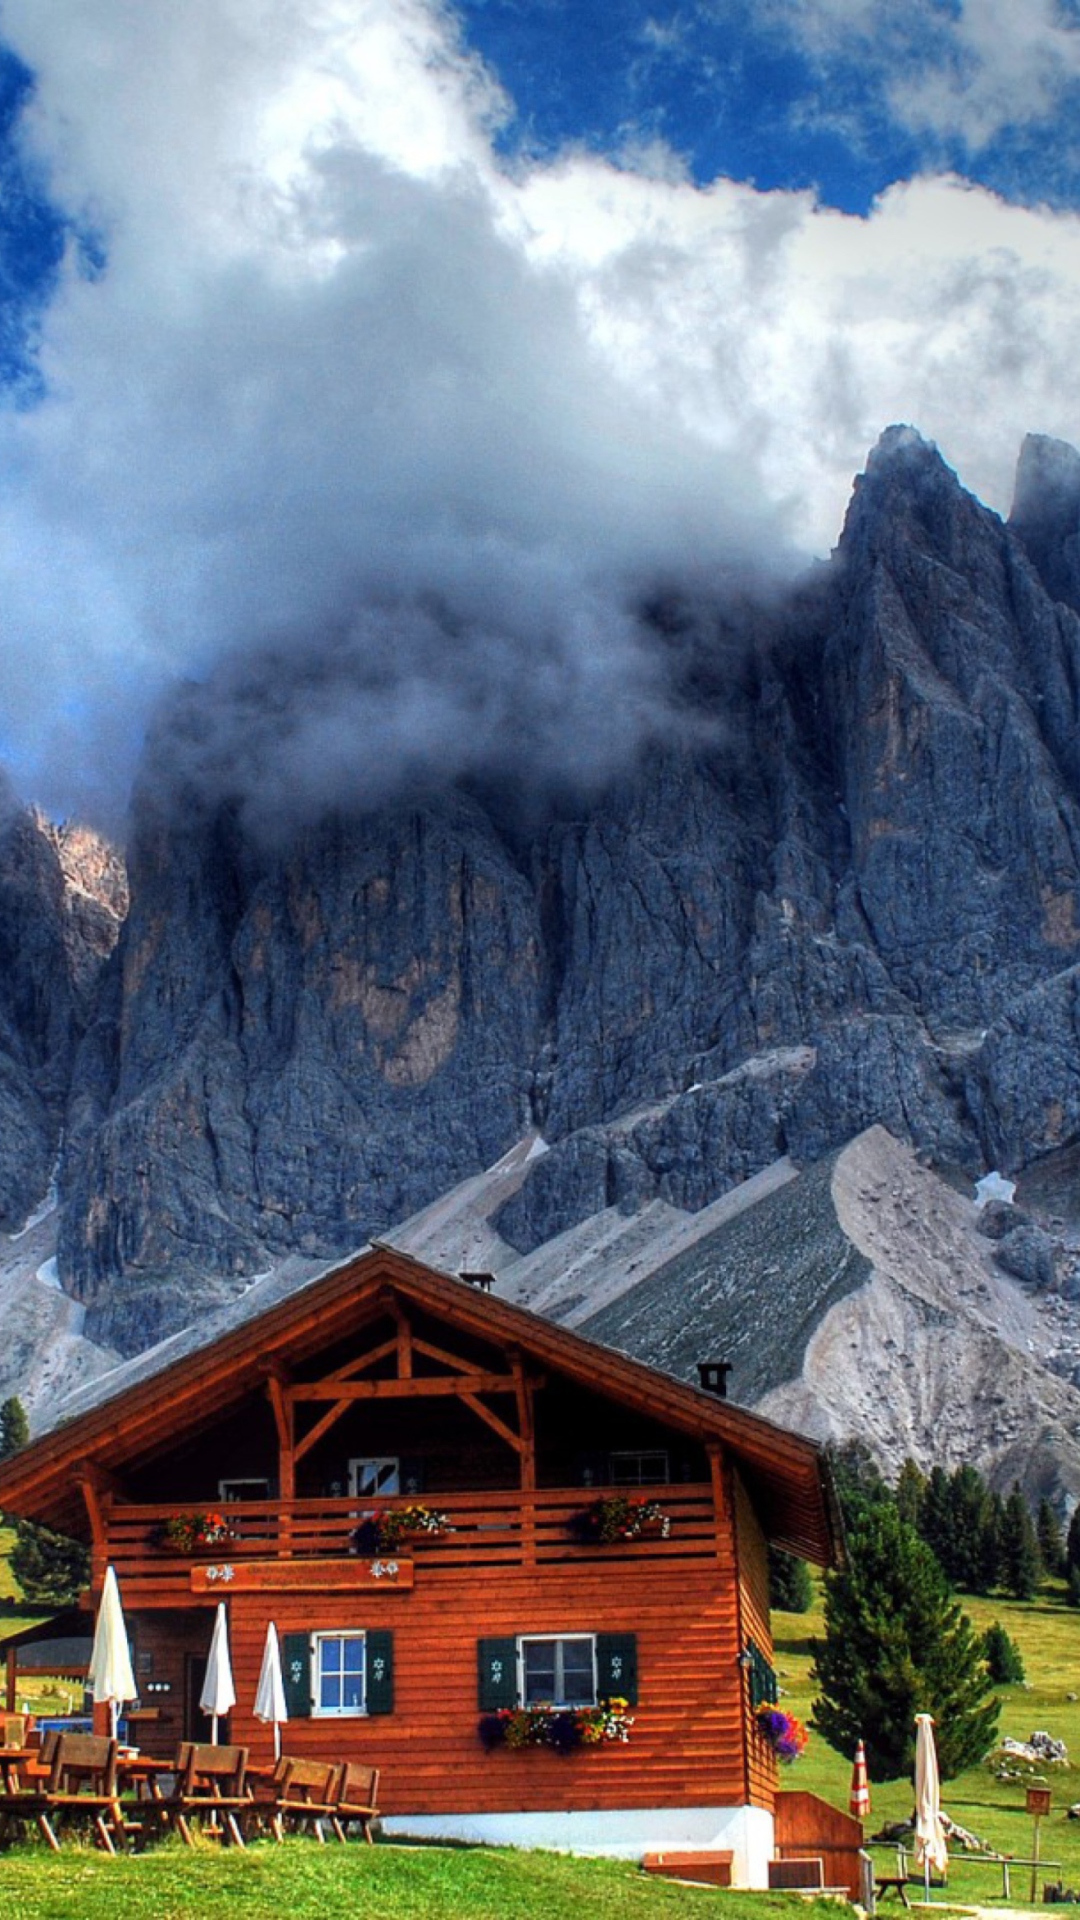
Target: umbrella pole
277, 1741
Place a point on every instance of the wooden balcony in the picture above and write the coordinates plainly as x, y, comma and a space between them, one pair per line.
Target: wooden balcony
486, 1529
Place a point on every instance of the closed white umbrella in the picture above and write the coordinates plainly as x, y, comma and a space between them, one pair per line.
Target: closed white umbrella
270, 1696
110, 1672
218, 1694
930, 1848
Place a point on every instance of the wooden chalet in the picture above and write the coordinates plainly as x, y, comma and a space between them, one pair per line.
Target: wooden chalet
383, 1385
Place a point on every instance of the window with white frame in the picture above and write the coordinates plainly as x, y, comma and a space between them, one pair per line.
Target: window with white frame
243, 1490
557, 1671
647, 1468
338, 1673
373, 1476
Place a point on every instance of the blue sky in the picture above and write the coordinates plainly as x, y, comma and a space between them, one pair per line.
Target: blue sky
318, 314
793, 96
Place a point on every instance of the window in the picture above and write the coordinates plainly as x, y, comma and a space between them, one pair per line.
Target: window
243, 1490
374, 1477
339, 1673
559, 1671
640, 1469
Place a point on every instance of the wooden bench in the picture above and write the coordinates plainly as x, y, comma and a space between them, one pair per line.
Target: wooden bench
711, 1866
891, 1883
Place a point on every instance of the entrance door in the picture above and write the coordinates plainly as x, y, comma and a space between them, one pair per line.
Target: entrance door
197, 1724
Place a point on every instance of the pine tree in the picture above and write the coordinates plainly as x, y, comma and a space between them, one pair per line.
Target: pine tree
910, 1493
896, 1644
968, 1502
991, 1551
14, 1427
1051, 1541
790, 1586
857, 1478
1021, 1566
1004, 1661
935, 1521
48, 1567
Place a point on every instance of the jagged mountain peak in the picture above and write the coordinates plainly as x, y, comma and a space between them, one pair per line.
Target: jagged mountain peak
1046, 514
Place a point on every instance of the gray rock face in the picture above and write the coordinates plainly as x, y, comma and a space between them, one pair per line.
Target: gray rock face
858, 905
52, 945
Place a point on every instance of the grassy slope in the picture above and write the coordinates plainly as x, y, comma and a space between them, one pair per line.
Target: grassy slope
1048, 1634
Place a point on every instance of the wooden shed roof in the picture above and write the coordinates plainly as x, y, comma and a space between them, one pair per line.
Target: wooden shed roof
785, 1473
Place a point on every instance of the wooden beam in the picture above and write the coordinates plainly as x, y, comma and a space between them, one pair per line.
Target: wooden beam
492, 1420
369, 1359
439, 1353
321, 1426
96, 1512
100, 1477
404, 1341
420, 1387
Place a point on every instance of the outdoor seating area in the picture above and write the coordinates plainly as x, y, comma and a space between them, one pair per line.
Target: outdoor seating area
88, 1784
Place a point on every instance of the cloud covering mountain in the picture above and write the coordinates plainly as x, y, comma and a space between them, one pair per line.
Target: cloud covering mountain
343, 380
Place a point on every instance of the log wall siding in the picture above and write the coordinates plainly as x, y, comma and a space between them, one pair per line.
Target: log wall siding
686, 1746
753, 1585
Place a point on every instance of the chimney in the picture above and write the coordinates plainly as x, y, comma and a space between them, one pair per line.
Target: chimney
712, 1377
482, 1281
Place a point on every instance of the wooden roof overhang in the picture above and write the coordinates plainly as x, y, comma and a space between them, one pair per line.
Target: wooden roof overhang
785, 1473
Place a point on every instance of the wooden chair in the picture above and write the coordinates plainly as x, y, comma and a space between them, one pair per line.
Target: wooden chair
81, 1786
356, 1798
309, 1795
210, 1782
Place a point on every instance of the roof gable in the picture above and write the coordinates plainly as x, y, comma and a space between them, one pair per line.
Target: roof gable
783, 1471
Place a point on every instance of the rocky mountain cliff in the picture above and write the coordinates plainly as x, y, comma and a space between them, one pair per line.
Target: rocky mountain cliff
849, 899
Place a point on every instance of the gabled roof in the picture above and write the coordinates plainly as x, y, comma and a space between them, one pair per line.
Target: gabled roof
785, 1473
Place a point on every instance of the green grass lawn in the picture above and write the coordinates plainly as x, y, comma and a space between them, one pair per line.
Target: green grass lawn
1048, 1634
307, 1882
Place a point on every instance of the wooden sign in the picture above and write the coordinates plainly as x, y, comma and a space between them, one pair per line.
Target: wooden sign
1038, 1800
387, 1574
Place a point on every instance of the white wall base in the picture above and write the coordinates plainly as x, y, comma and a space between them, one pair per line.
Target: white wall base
624, 1832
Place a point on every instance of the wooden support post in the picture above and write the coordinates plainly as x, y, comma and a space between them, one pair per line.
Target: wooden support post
527, 1430
98, 1505
10, 1699
284, 1419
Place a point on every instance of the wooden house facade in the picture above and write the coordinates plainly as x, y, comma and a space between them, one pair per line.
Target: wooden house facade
271, 1466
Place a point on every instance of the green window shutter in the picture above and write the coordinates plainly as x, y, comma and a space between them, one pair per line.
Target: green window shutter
297, 1675
380, 1671
616, 1667
764, 1689
497, 1662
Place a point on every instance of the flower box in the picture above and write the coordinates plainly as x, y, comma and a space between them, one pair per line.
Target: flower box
617, 1517
387, 1530
564, 1729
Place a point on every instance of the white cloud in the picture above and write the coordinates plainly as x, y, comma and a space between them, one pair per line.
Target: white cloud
340, 363
965, 72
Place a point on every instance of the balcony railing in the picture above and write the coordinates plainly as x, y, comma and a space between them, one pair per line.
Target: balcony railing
486, 1529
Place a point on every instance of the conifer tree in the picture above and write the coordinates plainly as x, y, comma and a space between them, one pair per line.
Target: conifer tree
790, 1586
993, 1534
935, 1522
897, 1644
14, 1426
910, 1493
1021, 1566
1051, 1540
968, 1503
